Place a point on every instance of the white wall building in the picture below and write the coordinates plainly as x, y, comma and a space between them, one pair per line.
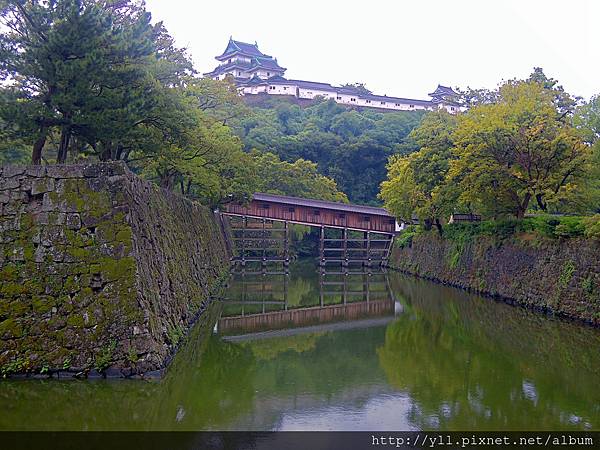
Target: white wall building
256, 73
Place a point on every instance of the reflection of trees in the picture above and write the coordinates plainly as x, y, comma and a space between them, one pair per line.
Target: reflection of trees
207, 386
339, 361
270, 348
471, 363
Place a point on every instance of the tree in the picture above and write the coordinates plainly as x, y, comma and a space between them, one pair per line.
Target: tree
297, 179
416, 183
516, 150
91, 70
587, 121
352, 147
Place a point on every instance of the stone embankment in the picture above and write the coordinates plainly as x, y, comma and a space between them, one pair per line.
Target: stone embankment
100, 271
560, 276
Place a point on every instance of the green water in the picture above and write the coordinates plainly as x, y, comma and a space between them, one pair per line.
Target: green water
435, 358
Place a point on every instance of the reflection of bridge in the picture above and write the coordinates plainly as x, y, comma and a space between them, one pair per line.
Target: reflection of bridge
349, 233
259, 303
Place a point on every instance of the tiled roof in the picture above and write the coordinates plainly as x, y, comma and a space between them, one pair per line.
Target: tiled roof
265, 63
311, 203
241, 47
385, 98
442, 90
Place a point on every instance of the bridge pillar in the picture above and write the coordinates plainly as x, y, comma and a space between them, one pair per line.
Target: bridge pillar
345, 247
322, 247
286, 244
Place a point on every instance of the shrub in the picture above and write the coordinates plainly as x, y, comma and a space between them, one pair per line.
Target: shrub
404, 239
570, 227
592, 227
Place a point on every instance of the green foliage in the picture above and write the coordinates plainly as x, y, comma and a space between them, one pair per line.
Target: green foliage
588, 286
299, 179
104, 357
552, 227
405, 238
566, 274
94, 76
517, 149
592, 227
132, 355
350, 146
501, 148
19, 365
416, 183
175, 334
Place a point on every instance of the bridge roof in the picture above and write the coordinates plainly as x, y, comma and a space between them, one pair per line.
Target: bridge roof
312, 203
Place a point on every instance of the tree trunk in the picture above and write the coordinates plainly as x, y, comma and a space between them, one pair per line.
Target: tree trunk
65, 137
523, 206
541, 203
438, 225
106, 152
38, 146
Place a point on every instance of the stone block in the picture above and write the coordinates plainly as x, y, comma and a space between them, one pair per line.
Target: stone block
18, 196
60, 171
9, 183
4, 197
105, 170
73, 221
13, 208
42, 185
12, 171
49, 202
25, 184
36, 171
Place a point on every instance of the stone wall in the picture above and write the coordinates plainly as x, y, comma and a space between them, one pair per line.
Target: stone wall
558, 276
100, 271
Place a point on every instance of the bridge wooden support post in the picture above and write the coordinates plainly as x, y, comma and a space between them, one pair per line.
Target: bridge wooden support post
321, 286
345, 247
264, 244
390, 246
286, 244
368, 239
244, 226
322, 247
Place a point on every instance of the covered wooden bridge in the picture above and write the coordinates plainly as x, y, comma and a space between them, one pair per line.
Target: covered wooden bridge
348, 233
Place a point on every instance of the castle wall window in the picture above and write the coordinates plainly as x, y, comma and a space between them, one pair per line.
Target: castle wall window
383, 103
268, 74
352, 99
412, 106
338, 98
285, 88
368, 101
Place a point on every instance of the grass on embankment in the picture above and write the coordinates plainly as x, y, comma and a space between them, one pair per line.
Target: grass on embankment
553, 227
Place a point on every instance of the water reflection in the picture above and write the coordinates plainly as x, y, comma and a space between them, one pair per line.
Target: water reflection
298, 353
258, 301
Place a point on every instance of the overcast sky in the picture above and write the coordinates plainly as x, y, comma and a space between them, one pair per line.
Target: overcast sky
398, 47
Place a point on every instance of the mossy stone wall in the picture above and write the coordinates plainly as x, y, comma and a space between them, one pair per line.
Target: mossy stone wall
100, 271
561, 276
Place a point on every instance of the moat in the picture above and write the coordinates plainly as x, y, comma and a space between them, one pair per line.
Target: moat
337, 351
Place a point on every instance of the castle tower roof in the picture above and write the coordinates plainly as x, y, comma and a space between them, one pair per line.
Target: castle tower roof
238, 47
